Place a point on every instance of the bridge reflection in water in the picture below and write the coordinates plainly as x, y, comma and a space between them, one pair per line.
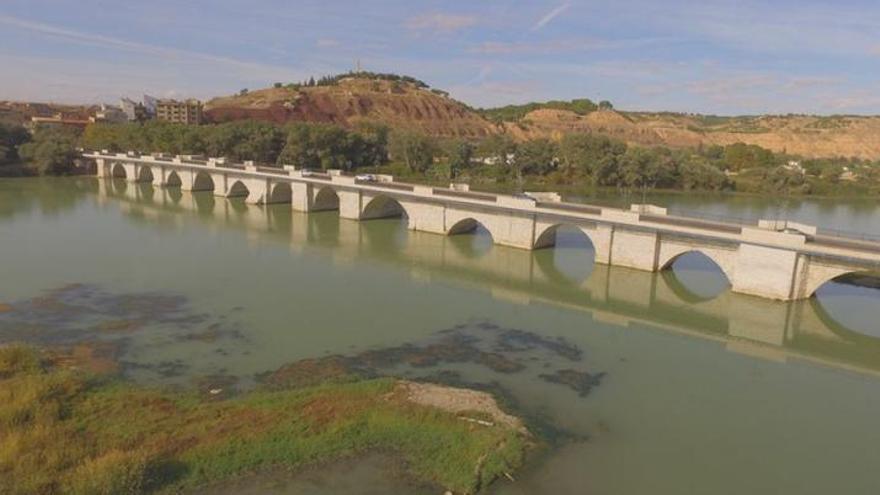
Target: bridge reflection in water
760, 327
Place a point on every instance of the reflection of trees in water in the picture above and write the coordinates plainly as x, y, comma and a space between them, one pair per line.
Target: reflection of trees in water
323, 228
384, 235
280, 218
204, 203
48, 195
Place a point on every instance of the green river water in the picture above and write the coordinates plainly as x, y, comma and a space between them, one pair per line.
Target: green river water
694, 390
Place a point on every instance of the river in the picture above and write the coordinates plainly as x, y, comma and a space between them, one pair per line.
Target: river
691, 390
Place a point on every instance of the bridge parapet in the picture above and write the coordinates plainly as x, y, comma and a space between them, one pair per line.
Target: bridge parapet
764, 236
516, 201
784, 225
338, 178
647, 209
623, 216
545, 197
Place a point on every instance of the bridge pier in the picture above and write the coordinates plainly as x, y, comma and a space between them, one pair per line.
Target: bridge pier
635, 249
349, 204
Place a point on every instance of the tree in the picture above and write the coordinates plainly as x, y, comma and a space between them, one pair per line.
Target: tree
414, 149
696, 173
647, 168
741, 156
375, 143
11, 137
277, 85
498, 149
535, 157
605, 105
52, 151
459, 154
593, 156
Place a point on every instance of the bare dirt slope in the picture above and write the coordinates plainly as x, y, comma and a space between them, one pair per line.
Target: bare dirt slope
354, 100
810, 136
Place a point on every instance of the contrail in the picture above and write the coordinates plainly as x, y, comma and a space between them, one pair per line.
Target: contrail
550, 16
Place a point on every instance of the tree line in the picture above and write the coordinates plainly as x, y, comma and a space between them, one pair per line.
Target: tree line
576, 159
515, 113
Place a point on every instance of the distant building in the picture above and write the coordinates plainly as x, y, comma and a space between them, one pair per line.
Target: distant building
181, 112
57, 120
109, 114
134, 111
150, 104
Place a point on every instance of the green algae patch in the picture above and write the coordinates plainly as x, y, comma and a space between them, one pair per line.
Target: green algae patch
68, 431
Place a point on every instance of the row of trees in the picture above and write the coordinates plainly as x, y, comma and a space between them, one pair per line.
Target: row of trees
515, 113
48, 151
333, 80
11, 137
602, 161
584, 159
305, 144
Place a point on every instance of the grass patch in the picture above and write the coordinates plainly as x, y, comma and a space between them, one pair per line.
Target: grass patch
63, 431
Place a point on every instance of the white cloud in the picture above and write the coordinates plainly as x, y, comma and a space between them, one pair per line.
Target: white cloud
440, 23
549, 16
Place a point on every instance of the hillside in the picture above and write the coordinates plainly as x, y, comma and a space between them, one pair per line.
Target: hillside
810, 136
353, 100
402, 104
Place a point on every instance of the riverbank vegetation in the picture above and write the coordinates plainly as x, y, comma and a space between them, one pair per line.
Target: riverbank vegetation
497, 162
65, 431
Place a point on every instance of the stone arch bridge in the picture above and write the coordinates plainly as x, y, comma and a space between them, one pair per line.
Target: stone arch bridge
770, 259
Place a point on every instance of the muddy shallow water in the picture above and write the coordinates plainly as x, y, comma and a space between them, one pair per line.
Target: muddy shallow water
661, 383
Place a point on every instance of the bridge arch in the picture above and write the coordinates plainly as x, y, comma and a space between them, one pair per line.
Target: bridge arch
202, 181
470, 237
547, 238
722, 256
144, 174
467, 225
566, 253
669, 261
703, 277
238, 190
118, 171
281, 192
325, 199
838, 321
172, 179
818, 279
383, 206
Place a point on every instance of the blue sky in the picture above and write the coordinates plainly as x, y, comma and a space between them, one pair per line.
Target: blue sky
711, 56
